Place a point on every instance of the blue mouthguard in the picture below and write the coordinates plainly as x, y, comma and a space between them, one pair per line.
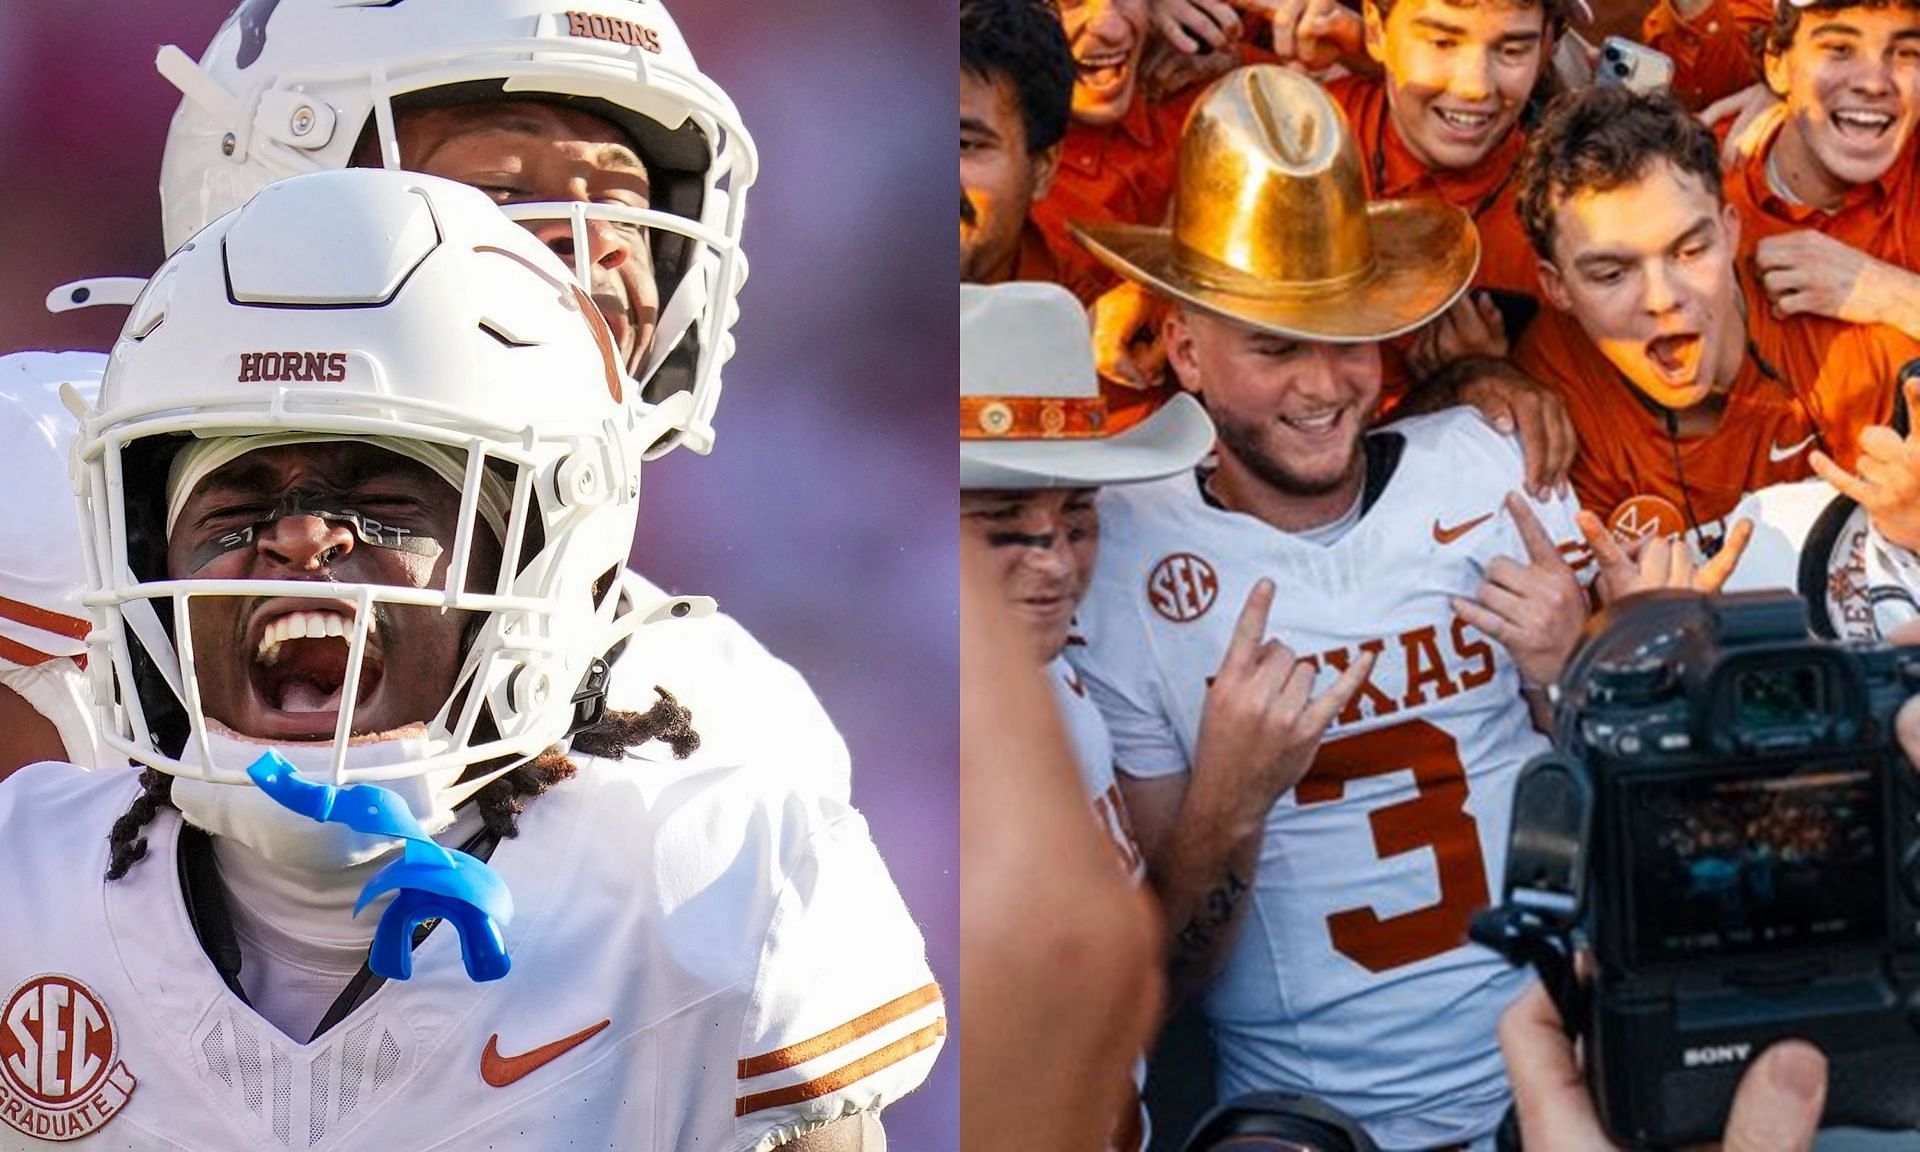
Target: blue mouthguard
428, 881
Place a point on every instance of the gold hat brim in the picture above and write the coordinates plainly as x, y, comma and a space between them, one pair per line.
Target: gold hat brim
1425, 253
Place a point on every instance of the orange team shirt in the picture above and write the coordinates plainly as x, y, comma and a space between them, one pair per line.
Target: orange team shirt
1881, 219
1713, 54
1119, 174
1038, 261
1122, 173
1625, 469
1488, 192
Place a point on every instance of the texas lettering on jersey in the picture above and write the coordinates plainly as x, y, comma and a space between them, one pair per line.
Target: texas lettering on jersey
1425, 673
1372, 866
1427, 670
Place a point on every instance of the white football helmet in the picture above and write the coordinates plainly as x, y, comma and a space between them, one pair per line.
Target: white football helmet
288, 86
355, 305
43, 571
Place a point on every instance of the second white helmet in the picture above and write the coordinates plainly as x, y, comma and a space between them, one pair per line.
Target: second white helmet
291, 86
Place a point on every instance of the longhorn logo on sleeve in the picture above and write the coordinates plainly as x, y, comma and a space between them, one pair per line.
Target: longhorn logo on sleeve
61, 1077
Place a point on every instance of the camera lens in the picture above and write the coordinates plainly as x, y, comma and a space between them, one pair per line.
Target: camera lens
1612, 54
1620, 69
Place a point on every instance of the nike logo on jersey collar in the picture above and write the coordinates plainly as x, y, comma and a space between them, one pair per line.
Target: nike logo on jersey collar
1449, 535
501, 1071
1775, 453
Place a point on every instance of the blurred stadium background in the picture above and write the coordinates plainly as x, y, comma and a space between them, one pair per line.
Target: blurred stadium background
825, 518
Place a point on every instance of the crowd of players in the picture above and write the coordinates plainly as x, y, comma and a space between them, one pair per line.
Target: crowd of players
356, 792
1485, 344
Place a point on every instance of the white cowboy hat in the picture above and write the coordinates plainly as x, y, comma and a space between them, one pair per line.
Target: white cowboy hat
1031, 414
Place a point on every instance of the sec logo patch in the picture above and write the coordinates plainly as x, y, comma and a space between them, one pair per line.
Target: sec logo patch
61, 1077
1182, 587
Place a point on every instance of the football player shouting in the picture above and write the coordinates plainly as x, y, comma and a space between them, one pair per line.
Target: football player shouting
600, 133
356, 531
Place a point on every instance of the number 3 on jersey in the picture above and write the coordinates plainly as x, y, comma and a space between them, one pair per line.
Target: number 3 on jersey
1434, 817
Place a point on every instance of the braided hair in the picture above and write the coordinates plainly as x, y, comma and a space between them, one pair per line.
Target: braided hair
500, 803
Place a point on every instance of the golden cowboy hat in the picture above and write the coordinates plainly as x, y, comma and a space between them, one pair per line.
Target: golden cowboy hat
1031, 413
1272, 229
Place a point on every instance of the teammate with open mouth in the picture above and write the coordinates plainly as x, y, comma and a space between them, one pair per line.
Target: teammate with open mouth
1688, 389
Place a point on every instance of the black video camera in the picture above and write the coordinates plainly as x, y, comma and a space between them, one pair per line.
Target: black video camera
1727, 822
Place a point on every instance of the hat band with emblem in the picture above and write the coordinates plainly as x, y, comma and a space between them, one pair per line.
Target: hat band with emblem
1031, 411
1031, 418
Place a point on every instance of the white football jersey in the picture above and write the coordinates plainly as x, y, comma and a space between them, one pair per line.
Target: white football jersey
43, 565
1093, 754
1351, 978
702, 959
1808, 539
748, 705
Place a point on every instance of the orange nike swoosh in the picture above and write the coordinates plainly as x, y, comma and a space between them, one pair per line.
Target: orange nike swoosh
1449, 535
501, 1071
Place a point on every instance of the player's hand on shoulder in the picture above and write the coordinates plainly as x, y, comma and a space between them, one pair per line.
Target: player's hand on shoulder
1472, 327
1775, 1109
1535, 609
1885, 479
1127, 347
1755, 111
1658, 561
1518, 405
1261, 724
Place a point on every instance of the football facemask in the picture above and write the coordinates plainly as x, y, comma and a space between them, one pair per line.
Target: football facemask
429, 327
292, 86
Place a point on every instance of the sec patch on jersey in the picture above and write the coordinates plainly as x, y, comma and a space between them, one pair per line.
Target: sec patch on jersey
61, 1076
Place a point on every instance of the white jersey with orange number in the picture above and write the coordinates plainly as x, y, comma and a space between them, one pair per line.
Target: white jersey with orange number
1093, 754
702, 958
1351, 978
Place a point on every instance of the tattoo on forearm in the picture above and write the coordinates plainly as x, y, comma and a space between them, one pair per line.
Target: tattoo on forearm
1215, 913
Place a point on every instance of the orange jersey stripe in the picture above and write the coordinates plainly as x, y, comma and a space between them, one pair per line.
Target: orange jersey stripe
47, 621
841, 1077
21, 654
853, 1029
